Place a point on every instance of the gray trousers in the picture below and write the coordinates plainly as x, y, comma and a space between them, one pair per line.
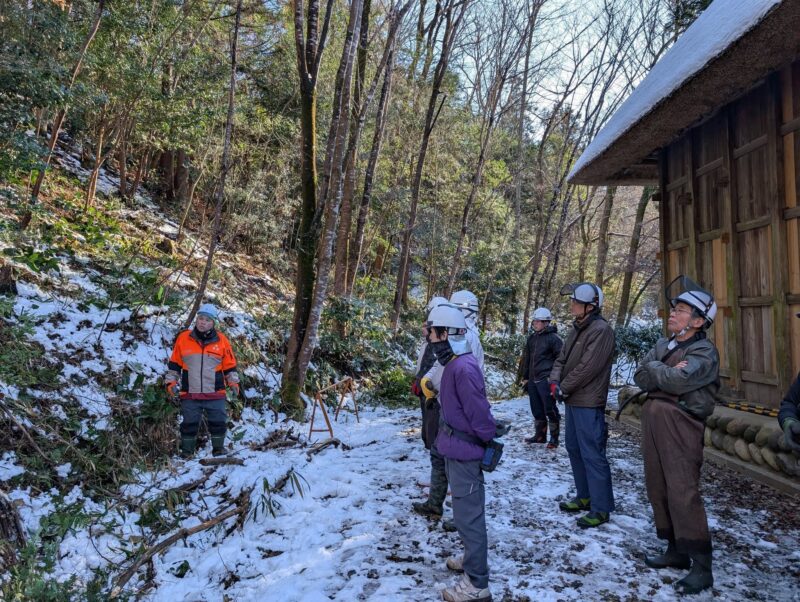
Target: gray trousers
438, 491
469, 498
192, 411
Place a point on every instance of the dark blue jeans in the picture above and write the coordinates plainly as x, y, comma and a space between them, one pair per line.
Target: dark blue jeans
586, 436
543, 406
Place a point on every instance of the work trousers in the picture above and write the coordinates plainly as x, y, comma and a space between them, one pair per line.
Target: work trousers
469, 498
672, 448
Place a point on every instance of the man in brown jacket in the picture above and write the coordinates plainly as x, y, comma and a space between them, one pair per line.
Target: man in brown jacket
580, 378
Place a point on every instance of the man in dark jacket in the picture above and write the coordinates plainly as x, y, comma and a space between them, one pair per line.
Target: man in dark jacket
467, 425
681, 377
580, 377
541, 351
789, 415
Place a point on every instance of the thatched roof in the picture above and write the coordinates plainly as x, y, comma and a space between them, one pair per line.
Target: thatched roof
732, 46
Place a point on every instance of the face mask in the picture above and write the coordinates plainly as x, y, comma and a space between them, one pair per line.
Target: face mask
442, 351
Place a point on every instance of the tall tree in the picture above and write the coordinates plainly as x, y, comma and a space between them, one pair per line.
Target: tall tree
453, 12
219, 196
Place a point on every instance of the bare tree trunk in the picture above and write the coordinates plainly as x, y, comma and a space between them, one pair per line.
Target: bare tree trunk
141, 171
309, 46
181, 174
122, 163
219, 195
602, 238
62, 113
356, 250
642, 289
454, 13
335, 184
633, 249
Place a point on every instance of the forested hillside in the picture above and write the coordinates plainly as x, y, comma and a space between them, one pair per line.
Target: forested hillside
318, 171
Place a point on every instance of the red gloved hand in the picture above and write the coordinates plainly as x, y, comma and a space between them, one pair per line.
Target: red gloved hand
172, 389
555, 390
415, 388
235, 388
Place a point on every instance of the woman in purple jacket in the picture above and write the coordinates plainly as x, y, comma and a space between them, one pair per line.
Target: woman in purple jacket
464, 411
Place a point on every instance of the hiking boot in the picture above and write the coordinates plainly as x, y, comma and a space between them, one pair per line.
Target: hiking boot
464, 591
218, 451
427, 509
671, 558
553, 443
539, 433
575, 505
455, 563
699, 577
449, 525
593, 519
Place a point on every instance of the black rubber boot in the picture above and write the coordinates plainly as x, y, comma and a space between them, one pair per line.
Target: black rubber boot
699, 577
553, 443
671, 558
539, 433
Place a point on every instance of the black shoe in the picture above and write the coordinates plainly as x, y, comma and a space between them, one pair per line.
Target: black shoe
218, 452
449, 526
671, 558
427, 509
699, 578
575, 505
553, 443
539, 433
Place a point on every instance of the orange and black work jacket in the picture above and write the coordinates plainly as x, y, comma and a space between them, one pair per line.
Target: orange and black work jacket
204, 364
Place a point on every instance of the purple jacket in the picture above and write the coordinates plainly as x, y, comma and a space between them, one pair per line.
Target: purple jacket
464, 407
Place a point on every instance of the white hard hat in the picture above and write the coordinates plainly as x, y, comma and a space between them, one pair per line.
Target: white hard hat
435, 302
584, 292
543, 314
447, 316
209, 311
685, 290
702, 301
465, 300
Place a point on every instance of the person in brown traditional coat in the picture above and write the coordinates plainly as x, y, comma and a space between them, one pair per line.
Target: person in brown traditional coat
681, 377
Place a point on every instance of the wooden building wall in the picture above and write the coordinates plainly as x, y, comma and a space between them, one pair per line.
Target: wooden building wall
731, 220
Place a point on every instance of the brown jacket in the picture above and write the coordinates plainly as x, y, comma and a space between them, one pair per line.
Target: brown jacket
583, 367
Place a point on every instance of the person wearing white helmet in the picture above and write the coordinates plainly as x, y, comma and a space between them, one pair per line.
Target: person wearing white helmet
467, 427
540, 353
202, 361
467, 302
681, 378
580, 377
430, 371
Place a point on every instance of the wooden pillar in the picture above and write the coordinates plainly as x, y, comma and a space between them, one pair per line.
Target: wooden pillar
728, 225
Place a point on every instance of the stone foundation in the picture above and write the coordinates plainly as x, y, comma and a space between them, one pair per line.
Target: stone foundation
747, 438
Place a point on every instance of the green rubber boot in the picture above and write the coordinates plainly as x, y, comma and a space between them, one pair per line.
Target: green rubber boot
188, 446
218, 445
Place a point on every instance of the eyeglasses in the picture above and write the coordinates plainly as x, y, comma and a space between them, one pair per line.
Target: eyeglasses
675, 310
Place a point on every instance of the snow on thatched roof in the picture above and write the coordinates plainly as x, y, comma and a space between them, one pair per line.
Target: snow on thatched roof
718, 27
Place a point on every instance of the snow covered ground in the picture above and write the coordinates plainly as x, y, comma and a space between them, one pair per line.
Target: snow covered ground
351, 535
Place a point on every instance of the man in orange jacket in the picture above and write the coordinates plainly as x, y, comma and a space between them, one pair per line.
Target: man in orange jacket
203, 362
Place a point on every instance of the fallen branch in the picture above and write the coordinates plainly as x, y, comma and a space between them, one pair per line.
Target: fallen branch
221, 461
241, 509
318, 447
